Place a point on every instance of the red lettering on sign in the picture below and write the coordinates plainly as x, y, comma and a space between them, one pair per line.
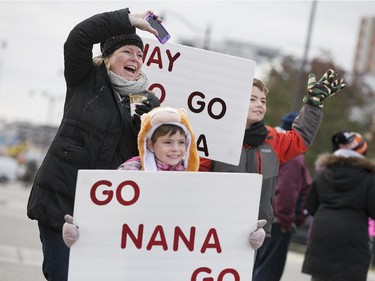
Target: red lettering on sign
126, 231
199, 270
179, 235
236, 276
109, 193
162, 93
215, 102
172, 59
202, 144
158, 238
222, 274
216, 243
135, 188
154, 242
156, 57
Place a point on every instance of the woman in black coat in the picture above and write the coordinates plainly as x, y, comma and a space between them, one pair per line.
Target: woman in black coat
341, 199
97, 130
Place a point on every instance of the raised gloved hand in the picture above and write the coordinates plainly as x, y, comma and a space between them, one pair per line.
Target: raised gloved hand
70, 232
326, 87
256, 238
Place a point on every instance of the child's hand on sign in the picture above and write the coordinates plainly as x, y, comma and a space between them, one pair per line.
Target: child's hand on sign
257, 236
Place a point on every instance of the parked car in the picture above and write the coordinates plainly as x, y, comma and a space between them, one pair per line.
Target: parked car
8, 169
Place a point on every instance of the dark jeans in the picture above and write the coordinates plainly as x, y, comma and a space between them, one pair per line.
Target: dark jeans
55, 254
271, 256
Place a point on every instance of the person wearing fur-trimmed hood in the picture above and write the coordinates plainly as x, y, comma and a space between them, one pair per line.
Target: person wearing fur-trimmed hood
341, 199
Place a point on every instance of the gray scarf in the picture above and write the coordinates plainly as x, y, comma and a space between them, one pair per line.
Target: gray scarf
123, 87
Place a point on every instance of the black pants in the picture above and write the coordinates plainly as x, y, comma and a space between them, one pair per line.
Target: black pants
55, 254
271, 256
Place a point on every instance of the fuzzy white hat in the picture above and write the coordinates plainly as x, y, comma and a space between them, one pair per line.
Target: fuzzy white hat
160, 116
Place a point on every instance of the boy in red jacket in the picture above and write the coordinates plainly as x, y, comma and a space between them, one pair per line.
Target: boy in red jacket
264, 148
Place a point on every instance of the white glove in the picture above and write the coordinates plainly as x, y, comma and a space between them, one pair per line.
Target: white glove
70, 232
256, 238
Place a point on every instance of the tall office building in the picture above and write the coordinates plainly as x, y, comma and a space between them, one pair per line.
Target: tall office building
364, 61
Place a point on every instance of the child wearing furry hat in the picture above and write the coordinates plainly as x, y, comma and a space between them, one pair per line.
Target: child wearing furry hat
166, 142
341, 199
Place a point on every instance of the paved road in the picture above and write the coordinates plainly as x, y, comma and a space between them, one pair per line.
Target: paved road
20, 249
20, 254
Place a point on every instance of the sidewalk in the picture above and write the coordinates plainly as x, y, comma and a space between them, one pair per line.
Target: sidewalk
296, 253
20, 248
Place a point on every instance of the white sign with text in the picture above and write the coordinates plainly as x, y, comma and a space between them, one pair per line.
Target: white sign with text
214, 88
157, 226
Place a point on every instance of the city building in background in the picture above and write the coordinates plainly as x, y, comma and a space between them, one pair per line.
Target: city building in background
364, 60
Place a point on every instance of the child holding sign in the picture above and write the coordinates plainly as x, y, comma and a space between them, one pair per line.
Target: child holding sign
166, 142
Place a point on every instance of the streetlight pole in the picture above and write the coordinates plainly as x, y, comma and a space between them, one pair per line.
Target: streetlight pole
207, 36
302, 74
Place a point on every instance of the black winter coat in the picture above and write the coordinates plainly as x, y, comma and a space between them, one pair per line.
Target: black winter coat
341, 199
96, 131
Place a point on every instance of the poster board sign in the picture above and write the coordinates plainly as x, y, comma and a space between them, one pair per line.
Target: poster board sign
214, 88
179, 226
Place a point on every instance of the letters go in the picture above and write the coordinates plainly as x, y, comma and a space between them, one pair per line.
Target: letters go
210, 105
109, 193
161, 88
227, 271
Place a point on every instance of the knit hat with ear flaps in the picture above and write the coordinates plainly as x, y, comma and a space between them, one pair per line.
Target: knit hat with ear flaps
160, 116
112, 44
349, 140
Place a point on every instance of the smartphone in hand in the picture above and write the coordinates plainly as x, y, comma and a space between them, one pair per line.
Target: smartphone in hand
163, 35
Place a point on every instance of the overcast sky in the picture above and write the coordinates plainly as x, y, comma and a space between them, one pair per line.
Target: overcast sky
32, 34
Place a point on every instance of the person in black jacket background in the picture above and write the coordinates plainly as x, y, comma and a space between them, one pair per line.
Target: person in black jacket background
97, 130
341, 199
